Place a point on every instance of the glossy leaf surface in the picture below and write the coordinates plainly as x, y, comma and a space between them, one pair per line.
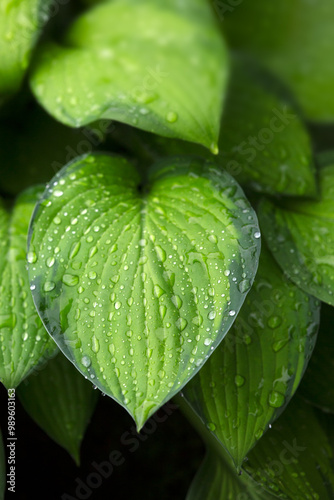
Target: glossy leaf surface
141, 283
254, 372
294, 459
145, 73
270, 152
300, 235
23, 339
60, 401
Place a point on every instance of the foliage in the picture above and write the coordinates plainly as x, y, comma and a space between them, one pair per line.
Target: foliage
145, 145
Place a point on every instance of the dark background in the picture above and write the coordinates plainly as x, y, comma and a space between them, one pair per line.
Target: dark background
161, 468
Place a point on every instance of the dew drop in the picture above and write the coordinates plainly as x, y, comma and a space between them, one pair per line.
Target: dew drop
239, 380
50, 261
244, 286
95, 344
118, 305
161, 254
31, 257
86, 361
212, 315
171, 117
176, 301
276, 399
162, 311
70, 279
49, 286
257, 235
274, 321
211, 426
181, 324
158, 291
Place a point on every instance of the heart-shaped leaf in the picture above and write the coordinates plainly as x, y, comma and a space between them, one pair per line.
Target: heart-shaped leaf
271, 152
294, 459
254, 372
138, 284
300, 235
295, 38
2, 469
145, 71
318, 383
60, 401
20, 25
23, 339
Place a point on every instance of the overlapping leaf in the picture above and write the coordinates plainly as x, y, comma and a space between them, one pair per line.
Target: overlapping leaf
138, 288
20, 25
160, 66
300, 235
23, 340
318, 383
60, 401
294, 460
254, 372
270, 152
216, 480
295, 38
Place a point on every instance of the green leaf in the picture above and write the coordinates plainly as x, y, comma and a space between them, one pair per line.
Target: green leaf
318, 383
294, 459
215, 480
23, 339
20, 25
138, 288
295, 38
271, 152
2, 469
300, 235
60, 401
145, 71
254, 372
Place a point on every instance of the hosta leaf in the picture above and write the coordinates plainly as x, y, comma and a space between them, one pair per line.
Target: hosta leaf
295, 38
60, 401
137, 288
318, 383
294, 459
300, 234
2, 469
20, 24
145, 71
271, 152
215, 480
254, 372
23, 339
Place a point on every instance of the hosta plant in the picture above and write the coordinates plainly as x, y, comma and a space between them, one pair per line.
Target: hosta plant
166, 240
